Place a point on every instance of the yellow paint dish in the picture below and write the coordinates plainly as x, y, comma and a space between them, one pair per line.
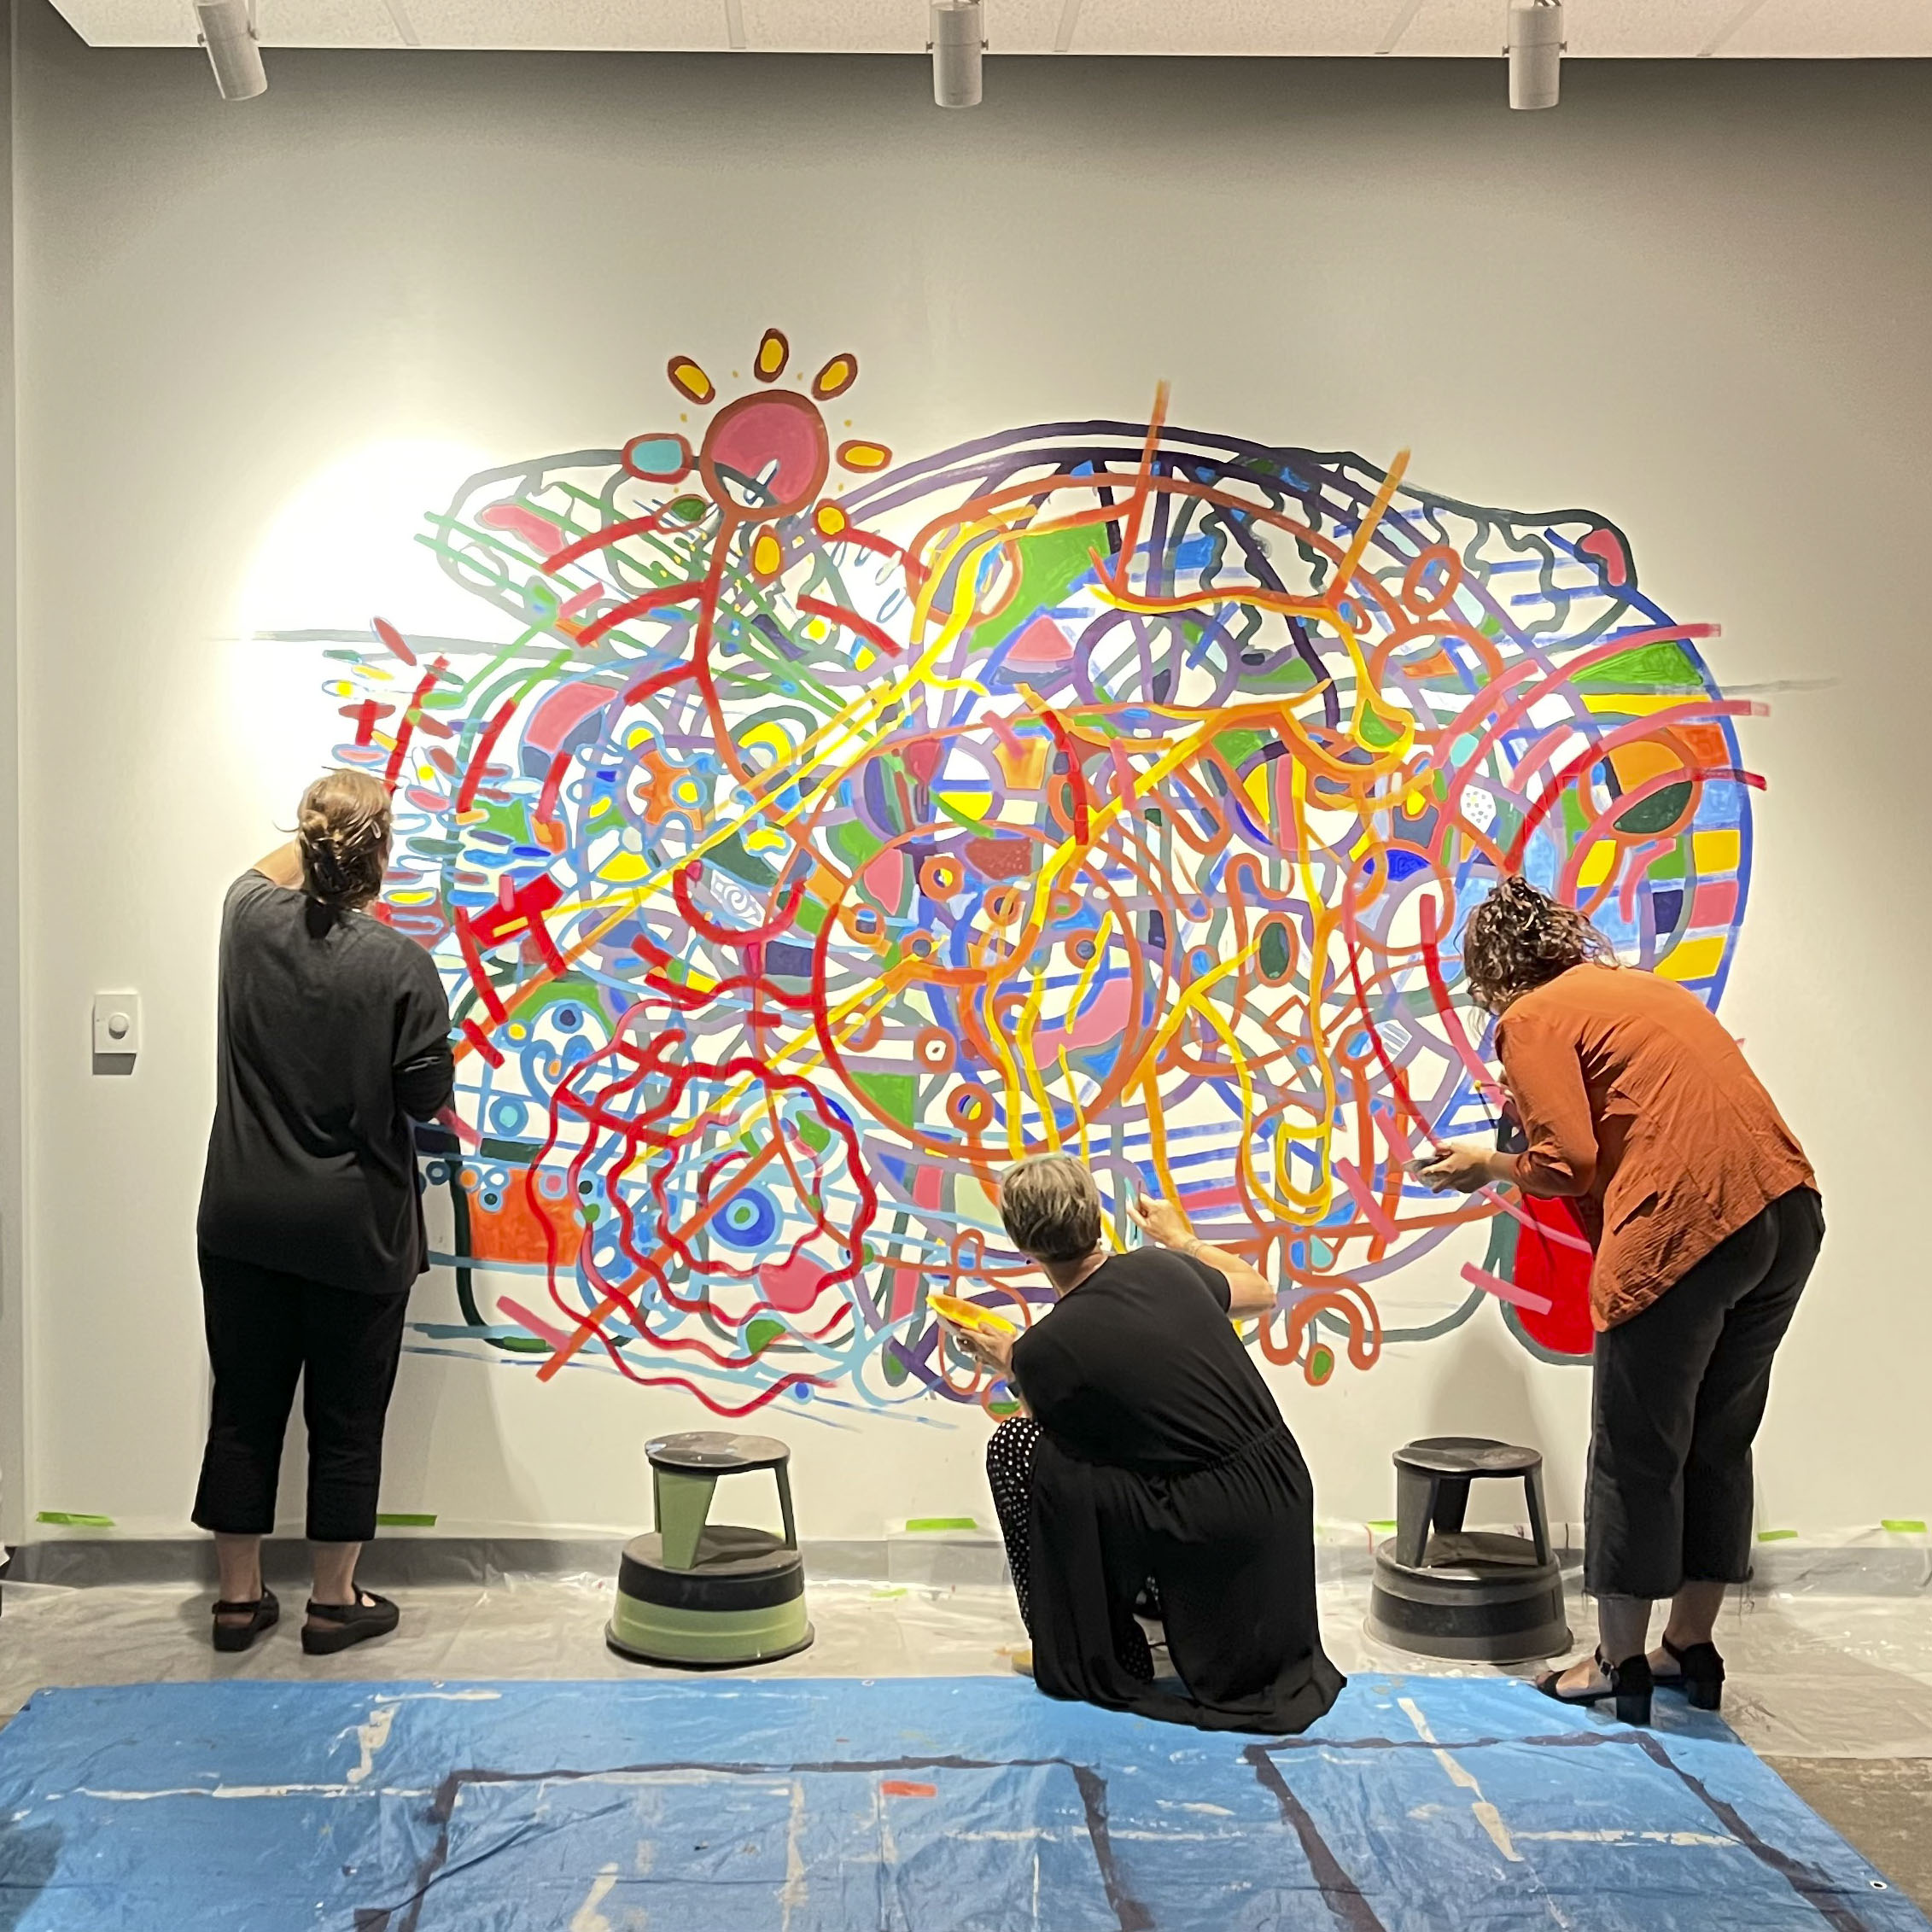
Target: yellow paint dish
969, 1315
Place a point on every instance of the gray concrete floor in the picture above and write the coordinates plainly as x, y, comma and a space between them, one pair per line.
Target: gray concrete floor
1834, 1692
1882, 1805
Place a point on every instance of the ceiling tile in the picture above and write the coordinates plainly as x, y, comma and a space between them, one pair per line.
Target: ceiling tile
130, 23
326, 23
573, 24
1028, 26
1230, 26
889, 27
282, 23
1652, 29
1647, 29
1446, 26
1802, 29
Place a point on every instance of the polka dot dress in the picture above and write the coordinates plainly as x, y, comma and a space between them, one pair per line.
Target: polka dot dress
1009, 1475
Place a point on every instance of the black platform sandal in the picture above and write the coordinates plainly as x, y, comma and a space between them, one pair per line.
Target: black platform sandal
1630, 1686
1700, 1674
262, 1614
368, 1616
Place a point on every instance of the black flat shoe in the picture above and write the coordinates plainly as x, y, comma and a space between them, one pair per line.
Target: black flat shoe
1630, 1684
1700, 1674
262, 1613
368, 1616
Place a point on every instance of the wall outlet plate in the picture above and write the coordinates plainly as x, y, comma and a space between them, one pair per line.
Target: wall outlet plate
117, 1022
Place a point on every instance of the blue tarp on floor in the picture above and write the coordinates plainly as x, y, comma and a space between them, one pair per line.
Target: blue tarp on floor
947, 1804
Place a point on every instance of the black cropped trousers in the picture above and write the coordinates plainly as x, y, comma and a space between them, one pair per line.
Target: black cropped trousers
267, 1331
1678, 1392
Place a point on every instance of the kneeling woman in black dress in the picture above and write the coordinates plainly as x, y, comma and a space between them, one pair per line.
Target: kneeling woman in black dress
1153, 1454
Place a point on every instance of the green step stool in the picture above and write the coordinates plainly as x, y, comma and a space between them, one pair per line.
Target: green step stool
709, 1595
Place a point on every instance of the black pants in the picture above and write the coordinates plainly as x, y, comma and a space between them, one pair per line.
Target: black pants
267, 1329
1009, 1475
1678, 1392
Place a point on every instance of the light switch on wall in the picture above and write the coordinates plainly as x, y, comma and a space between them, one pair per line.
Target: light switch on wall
117, 1022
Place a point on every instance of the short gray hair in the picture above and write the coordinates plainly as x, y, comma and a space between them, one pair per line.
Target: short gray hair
1051, 1208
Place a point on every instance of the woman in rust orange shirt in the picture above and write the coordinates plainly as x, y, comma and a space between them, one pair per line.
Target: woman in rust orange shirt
1706, 1219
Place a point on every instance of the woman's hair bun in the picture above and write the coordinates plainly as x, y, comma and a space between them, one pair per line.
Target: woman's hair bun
342, 833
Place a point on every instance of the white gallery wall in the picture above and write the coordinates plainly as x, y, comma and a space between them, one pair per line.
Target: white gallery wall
253, 342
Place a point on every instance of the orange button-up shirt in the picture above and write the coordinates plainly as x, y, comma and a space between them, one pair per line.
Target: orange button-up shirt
1635, 1101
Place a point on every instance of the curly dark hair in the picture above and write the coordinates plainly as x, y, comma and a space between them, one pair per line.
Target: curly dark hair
1519, 938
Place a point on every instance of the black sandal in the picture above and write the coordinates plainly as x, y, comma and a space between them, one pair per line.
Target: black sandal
262, 1613
1700, 1674
369, 1616
1630, 1684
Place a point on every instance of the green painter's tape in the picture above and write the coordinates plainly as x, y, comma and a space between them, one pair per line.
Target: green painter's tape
1776, 1536
919, 1526
1902, 1526
75, 1519
406, 1522
1378, 1526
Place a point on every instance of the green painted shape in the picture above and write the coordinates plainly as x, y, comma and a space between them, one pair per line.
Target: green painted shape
75, 1519
1657, 813
850, 840
1672, 864
572, 990
683, 1503
518, 1153
816, 1135
895, 1095
759, 1335
708, 1636
731, 856
404, 1520
1274, 949
1375, 732
1237, 747
1050, 565
1649, 666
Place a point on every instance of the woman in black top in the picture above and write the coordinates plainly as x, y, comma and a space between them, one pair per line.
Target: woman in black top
1153, 1466
333, 1036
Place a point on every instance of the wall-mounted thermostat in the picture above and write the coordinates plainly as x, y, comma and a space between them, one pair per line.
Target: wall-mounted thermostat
117, 1022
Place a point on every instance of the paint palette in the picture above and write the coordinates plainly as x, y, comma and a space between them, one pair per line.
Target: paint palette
969, 1315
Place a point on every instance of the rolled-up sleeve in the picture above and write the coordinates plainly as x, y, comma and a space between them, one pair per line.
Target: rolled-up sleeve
1545, 1080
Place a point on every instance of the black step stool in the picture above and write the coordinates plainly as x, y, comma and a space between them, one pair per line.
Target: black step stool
1476, 1597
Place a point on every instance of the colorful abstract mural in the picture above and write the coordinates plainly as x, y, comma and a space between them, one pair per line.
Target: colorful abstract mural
822, 831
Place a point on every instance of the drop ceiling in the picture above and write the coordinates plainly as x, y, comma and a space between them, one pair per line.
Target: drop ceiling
1625, 29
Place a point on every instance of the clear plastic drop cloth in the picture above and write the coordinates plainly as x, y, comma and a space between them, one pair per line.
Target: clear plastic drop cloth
1811, 1674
